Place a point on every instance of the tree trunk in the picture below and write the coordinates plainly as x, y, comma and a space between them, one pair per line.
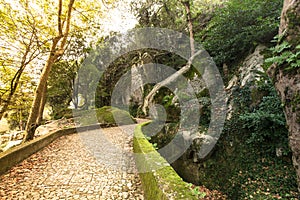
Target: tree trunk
75, 92
56, 51
287, 83
42, 106
4, 107
15, 82
35, 109
149, 98
13, 87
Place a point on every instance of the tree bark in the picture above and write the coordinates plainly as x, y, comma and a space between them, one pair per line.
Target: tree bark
149, 98
34, 112
13, 88
170, 79
42, 105
287, 83
57, 50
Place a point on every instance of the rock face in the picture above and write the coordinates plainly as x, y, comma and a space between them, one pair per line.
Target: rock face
248, 72
251, 65
287, 83
290, 20
189, 163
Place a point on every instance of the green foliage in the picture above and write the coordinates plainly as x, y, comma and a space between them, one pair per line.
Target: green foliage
284, 54
246, 151
239, 26
244, 171
163, 14
172, 15
153, 144
60, 87
264, 178
163, 137
18, 109
205, 111
62, 112
196, 191
266, 122
172, 110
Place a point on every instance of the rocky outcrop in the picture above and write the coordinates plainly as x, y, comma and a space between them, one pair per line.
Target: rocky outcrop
250, 71
252, 64
290, 20
287, 82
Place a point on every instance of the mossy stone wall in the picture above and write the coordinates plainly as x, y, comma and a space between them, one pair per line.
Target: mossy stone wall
159, 179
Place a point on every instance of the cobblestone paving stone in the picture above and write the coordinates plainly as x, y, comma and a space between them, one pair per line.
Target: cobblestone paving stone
90, 165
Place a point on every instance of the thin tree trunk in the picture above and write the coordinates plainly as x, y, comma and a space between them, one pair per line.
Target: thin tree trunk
4, 107
75, 93
29, 55
170, 79
15, 82
190, 25
287, 82
149, 98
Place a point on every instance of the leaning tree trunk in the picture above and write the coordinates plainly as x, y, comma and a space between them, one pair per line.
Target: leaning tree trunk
56, 51
42, 105
287, 82
14, 83
35, 109
149, 98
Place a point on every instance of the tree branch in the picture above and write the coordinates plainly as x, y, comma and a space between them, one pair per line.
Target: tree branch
59, 18
149, 98
67, 30
168, 80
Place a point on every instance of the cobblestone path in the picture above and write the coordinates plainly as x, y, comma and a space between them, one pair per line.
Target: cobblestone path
95, 164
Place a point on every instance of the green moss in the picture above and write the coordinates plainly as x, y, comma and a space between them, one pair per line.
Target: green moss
106, 115
163, 183
111, 115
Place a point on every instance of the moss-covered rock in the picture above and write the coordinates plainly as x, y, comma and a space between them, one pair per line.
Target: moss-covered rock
106, 115
112, 115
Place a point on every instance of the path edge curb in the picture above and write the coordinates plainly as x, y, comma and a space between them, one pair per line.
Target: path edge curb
17, 154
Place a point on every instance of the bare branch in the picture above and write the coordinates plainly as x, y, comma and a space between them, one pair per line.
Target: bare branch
59, 17
67, 30
170, 79
190, 24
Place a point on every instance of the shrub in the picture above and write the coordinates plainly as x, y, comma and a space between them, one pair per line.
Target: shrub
266, 122
238, 26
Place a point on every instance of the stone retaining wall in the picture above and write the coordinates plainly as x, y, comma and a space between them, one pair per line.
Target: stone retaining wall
159, 179
17, 154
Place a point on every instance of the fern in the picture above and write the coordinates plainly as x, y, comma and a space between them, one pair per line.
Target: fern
284, 54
